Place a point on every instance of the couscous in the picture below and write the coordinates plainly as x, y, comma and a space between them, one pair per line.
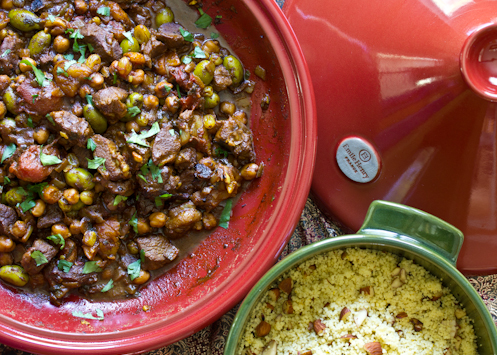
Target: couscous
358, 301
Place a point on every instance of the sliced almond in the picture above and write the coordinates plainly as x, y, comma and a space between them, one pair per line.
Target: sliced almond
274, 294
262, 329
418, 326
395, 272
401, 315
345, 313
286, 285
287, 307
360, 316
319, 326
348, 336
270, 348
373, 348
437, 296
396, 283
403, 276
368, 290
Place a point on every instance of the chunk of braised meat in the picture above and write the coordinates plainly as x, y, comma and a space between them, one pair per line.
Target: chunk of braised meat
96, 213
169, 33
166, 145
189, 182
8, 217
238, 138
103, 43
108, 238
123, 188
20, 136
115, 167
154, 48
209, 198
155, 186
29, 166
30, 264
182, 218
110, 102
62, 282
53, 214
40, 100
140, 15
157, 251
222, 78
73, 128
187, 158
9, 58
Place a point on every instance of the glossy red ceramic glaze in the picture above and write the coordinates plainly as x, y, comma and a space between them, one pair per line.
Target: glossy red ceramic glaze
219, 273
415, 80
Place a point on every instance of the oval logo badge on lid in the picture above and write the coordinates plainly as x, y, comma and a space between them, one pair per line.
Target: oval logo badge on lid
357, 159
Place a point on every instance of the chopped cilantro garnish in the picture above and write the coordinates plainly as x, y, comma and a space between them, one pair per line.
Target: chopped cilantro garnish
204, 20
198, 53
51, 18
82, 51
89, 99
214, 35
142, 177
178, 91
158, 199
109, 286
186, 59
140, 138
64, 265
50, 119
62, 71
155, 171
95, 163
104, 11
134, 222
37, 188
8, 152
186, 35
57, 239
91, 266
27, 204
90, 48
6, 180
76, 35
30, 122
224, 219
134, 269
91, 145
40, 77
118, 199
79, 314
34, 97
129, 36
38, 257
5, 53
48, 159
69, 56
218, 152
134, 111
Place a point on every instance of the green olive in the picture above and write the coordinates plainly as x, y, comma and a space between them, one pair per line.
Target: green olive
14, 275
80, 178
8, 123
205, 71
164, 16
39, 42
130, 46
142, 120
135, 99
15, 195
234, 67
96, 120
211, 101
142, 34
24, 20
10, 101
64, 205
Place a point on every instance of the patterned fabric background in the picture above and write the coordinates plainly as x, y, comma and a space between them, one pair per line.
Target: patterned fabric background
313, 226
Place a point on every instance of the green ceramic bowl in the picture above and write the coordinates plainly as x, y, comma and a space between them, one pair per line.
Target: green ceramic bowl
405, 231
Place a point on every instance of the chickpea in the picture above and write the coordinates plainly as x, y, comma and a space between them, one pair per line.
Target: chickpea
209, 220
51, 194
6, 259
80, 7
61, 44
227, 107
151, 102
6, 244
89, 238
75, 227
172, 103
137, 59
61, 228
249, 171
133, 247
19, 229
157, 220
39, 209
136, 77
3, 110
94, 62
41, 135
240, 116
25, 67
142, 278
124, 67
211, 46
7, 4
132, 126
71, 196
87, 197
143, 226
162, 89
97, 81
84, 90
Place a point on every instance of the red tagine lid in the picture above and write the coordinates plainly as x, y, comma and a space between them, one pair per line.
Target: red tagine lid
406, 98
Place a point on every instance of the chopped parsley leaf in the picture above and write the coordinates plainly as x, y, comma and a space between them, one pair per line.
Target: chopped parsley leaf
186, 35
109, 286
40, 77
129, 36
62, 71
91, 145
5, 53
204, 20
26, 205
50, 119
186, 59
140, 138
48, 159
64, 265
198, 53
8, 152
134, 222
134, 269
140, 176
38, 257
224, 219
69, 56
34, 97
104, 11
134, 111
79, 314
51, 18
214, 35
57, 239
89, 99
154, 170
91, 266
95, 163
118, 199
6, 180
37, 188
178, 91
30, 122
